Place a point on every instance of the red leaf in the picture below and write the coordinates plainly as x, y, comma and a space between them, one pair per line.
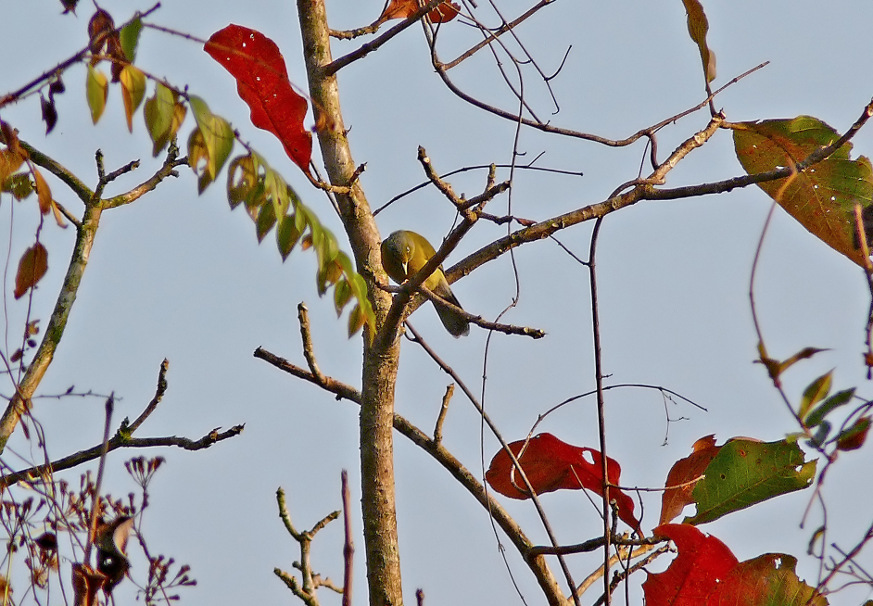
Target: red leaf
262, 82
682, 475
854, 437
551, 464
401, 9
706, 573
702, 563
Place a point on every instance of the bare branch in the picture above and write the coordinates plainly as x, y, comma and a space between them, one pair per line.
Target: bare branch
116, 442
468, 480
306, 336
311, 581
159, 395
508, 329
341, 390
369, 47
349, 544
441, 417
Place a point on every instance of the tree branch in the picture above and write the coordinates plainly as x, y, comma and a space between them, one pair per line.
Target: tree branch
434, 447
116, 442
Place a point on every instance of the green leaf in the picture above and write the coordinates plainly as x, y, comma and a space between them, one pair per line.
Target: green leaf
746, 472
286, 236
342, 293
217, 139
198, 159
133, 84
250, 180
823, 197
277, 192
130, 37
266, 221
359, 287
814, 393
821, 435
96, 91
163, 116
767, 580
242, 180
697, 28
835, 401
19, 185
357, 318
329, 271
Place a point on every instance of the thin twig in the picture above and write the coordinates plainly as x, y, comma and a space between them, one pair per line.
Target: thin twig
349, 545
306, 336
509, 329
441, 417
601, 404
160, 390
591, 545
517, 467
96, 514
369, 47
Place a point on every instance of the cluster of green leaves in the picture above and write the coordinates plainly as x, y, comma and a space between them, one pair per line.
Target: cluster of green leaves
814, 411
271, 202
817, 403
267, 197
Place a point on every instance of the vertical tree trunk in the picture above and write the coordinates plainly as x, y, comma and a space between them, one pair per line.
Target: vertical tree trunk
20, 401
380, 359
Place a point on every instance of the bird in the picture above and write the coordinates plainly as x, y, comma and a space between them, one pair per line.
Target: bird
404, 253
111, 542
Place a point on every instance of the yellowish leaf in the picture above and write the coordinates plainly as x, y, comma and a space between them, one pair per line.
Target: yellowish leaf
9, 163
133, 84
96, 91
697, 28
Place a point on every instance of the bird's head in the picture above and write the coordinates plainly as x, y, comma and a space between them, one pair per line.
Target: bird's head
397, 251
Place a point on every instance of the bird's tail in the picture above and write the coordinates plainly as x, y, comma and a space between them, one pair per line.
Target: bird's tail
454, 322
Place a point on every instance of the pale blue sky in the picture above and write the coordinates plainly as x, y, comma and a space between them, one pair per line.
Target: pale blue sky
179, 276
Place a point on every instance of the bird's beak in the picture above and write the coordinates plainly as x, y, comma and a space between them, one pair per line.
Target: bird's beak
405, 269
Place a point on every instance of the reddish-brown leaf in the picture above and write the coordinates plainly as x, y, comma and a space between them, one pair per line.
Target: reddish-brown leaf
49, 113
550, 464
43, 192
100, 27
854, 437
767, 579
31, 268
680, 480
702, 563
401, 9
86, 583
262, 82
